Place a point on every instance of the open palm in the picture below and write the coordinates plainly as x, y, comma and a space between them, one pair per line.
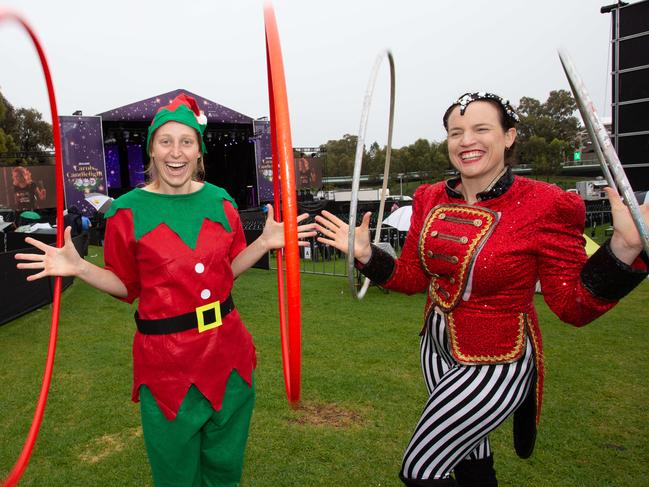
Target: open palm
64, 261
273, 233
336, 233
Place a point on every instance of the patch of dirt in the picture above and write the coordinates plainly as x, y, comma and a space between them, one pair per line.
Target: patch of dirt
104, 446
326, 414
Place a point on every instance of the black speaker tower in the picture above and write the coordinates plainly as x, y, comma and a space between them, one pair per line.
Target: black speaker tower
630, 88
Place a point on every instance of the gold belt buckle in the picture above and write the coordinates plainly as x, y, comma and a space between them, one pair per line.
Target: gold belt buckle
202, 326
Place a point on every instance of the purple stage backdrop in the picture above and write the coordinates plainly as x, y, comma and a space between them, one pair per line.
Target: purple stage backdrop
113, 171
145, 110
135, 164
84, 168
264, 159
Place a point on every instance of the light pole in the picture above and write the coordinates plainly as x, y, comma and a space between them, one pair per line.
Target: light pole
400, 176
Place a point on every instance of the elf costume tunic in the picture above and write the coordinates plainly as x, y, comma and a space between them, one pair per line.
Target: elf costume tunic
174, 253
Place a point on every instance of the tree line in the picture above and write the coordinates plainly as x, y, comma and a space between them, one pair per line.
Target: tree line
24, 135
548, 133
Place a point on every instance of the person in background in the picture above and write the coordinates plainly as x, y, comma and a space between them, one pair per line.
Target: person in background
177, 245
27, 193
72, 218
86, 224
26, 220
304, 173
477, 245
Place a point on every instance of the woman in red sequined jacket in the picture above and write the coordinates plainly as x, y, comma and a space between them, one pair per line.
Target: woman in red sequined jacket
477, 245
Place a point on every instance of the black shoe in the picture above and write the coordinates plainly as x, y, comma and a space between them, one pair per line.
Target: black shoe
476, 473
449, 482
525, 425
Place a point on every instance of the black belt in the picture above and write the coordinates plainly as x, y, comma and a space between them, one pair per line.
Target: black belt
204, 318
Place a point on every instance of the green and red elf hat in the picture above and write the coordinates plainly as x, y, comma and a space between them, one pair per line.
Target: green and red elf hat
182, 109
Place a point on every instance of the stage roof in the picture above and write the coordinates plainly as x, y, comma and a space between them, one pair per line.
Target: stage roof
145, 110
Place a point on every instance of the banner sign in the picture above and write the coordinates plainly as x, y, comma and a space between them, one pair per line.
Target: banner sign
84, 167
264, 160
308, 170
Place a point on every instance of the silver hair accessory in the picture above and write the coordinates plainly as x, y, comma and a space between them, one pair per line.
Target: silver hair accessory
467, 98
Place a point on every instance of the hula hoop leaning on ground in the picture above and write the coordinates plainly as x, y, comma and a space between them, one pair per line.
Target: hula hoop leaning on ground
23, 459
284, 193
358, 162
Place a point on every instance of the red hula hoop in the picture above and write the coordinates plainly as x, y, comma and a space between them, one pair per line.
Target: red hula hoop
285, 199
23, 458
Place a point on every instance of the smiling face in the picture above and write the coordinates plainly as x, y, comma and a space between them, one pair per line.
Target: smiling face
22, 177
174, 156
477, 142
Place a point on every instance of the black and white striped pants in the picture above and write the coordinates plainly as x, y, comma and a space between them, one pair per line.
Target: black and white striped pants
465, 404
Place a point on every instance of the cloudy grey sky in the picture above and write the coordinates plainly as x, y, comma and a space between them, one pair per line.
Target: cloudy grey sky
104, 54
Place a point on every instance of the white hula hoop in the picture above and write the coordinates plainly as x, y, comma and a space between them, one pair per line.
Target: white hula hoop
358, 162
608, 158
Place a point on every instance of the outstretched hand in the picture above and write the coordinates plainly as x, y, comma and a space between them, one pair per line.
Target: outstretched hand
273, 234
626, 243
64, 261
336, 234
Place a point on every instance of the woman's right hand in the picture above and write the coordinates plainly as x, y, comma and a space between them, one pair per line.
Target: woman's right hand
336, 233
64, 261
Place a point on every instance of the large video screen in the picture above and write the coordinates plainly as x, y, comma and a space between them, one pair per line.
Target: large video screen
27, 187
308, 172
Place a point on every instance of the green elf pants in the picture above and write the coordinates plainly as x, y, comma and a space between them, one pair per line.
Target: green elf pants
201, 446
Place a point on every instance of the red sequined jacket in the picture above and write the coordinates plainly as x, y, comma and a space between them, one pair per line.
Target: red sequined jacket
480, 264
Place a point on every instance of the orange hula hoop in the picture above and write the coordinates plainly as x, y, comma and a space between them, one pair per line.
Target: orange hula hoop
23, 459
286, 201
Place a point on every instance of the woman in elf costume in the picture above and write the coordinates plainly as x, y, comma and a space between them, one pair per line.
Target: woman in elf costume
177, 245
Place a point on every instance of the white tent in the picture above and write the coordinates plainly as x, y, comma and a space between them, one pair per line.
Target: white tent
399, 218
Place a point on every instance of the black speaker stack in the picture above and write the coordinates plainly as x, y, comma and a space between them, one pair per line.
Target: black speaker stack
630, 88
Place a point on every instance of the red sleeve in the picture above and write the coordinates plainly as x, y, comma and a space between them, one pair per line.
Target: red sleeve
561, 257
408, 276
239, 237
120, 252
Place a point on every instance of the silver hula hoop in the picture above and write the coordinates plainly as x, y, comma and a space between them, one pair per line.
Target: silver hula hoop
608, 159
358, 162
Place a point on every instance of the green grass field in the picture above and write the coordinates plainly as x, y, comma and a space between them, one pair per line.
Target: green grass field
362, 393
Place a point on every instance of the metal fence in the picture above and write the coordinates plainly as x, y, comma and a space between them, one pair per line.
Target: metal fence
324, 260
598, 213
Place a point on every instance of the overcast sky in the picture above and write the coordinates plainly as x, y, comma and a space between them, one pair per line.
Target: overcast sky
105, 54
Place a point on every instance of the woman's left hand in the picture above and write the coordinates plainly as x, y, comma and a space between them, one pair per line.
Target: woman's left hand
625, 242
273, 234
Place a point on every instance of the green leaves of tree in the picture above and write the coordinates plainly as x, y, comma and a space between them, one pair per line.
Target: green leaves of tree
23, 133
420, 156
548, 132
